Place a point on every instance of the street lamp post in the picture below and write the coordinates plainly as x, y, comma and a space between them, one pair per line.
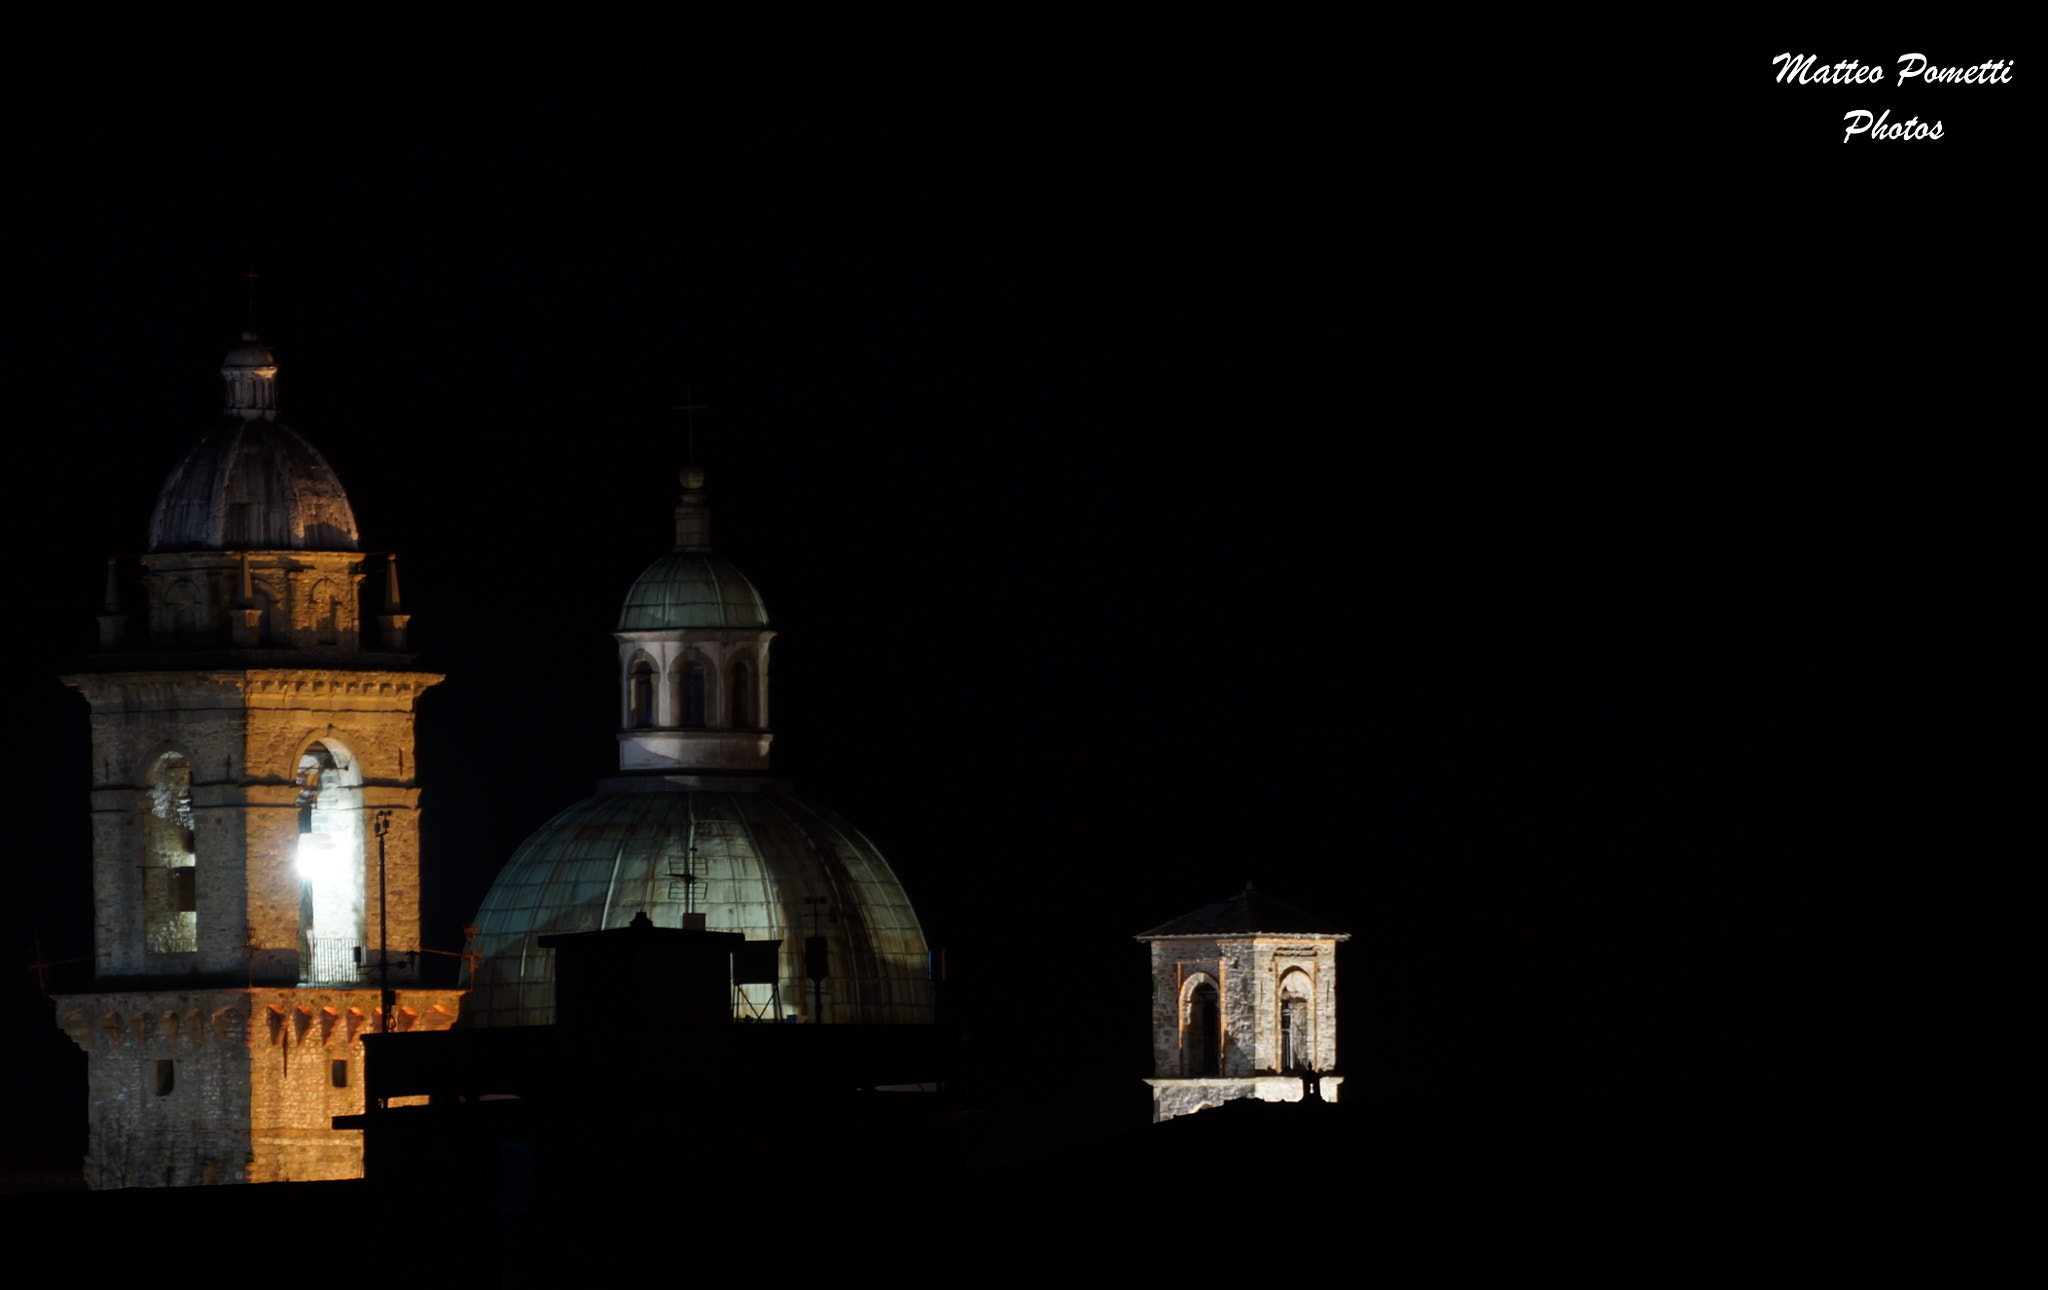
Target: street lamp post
386, 1000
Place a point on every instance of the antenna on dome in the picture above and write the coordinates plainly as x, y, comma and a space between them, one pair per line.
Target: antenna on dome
687, 880
251, 276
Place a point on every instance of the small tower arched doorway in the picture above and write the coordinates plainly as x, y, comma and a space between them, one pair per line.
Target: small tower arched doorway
1203, 1045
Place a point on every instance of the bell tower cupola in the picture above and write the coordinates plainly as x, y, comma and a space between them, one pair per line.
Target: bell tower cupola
250, 371
693, 659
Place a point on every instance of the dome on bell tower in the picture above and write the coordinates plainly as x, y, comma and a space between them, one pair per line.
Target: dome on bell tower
252, 483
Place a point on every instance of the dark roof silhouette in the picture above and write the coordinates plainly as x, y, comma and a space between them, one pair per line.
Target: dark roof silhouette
1250, 912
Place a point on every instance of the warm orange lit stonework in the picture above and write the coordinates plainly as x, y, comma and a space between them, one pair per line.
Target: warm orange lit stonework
253, 1084
246, 744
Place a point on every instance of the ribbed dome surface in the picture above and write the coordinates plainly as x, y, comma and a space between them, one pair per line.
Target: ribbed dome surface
758, 857
252, 485
692, 589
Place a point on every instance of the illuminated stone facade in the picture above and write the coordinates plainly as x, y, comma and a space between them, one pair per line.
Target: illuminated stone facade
1244, 1004
249, 755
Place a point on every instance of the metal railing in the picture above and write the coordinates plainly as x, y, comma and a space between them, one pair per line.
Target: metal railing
342, 960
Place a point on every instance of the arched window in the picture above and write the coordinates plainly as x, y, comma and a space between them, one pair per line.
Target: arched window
1202, 1037
1297, 1024
170, 866
640, 695
743, 717
694, 677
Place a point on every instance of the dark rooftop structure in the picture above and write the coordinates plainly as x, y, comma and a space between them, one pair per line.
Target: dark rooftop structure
1249, 913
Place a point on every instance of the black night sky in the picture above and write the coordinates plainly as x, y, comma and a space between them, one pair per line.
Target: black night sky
1554, 509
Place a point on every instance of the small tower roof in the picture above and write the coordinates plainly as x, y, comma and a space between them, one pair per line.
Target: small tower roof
1248, 913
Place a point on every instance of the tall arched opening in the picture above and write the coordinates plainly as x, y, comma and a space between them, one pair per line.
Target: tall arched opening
1202, 1031
1297, 1023
330, 865
170, 863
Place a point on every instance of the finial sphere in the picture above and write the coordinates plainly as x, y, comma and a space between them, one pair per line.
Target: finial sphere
693, 477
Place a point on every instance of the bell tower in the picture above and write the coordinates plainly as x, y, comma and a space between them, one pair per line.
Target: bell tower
255, 810
1244, 1004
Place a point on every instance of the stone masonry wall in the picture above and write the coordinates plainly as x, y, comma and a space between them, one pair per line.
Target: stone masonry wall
252, 1087
1248, 972
243, 734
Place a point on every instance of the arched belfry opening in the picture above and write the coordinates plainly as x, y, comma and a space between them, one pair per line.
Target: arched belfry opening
329, 860
170, 861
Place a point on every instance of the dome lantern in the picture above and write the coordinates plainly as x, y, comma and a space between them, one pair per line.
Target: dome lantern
250, 372
693, 658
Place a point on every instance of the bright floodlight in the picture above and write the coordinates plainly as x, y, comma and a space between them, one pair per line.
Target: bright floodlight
317, 857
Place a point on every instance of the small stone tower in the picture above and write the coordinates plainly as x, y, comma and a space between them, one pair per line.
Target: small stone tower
252, 758
1244, 1004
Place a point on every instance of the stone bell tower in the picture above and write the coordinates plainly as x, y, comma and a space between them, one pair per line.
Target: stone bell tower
252, 762
1244, 1004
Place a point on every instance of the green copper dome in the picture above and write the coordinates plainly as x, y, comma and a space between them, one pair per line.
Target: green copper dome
691, 589
766, 864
